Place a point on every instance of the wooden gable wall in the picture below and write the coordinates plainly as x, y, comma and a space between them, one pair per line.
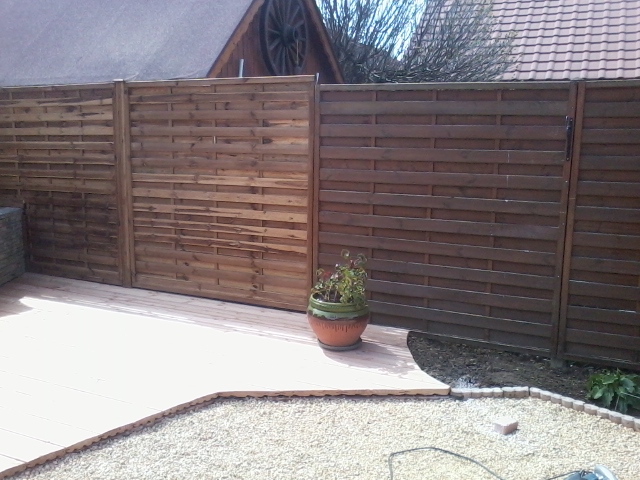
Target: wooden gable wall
248, 48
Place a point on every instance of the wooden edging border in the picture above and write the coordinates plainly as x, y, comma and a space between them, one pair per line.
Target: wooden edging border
464, 393
195, 404
533, 392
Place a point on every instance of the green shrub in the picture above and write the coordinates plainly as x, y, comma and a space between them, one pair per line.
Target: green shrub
346, 284
617, 388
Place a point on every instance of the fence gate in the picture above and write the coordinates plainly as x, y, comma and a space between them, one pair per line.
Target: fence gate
458, 195
601, 288
219, 188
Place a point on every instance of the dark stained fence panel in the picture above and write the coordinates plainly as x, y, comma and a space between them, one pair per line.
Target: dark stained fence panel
57, 157
601, 300
458, 197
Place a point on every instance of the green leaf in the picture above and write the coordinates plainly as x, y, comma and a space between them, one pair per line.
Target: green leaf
607, 397
597, 392
634, 400
621, 406
628, 384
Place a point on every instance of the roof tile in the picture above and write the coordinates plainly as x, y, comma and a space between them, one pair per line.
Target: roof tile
572, 39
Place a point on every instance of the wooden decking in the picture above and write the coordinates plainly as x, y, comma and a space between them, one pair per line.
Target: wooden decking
81, 361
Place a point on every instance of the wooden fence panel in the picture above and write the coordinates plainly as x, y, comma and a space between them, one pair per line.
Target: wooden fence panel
458, 196
57, 157
601, 292
220, 186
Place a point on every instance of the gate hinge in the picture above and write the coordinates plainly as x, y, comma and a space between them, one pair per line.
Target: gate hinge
569, 127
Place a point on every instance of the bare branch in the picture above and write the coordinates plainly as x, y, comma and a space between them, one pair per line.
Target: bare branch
417, 41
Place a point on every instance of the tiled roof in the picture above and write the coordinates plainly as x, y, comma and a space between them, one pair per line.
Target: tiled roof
572, 39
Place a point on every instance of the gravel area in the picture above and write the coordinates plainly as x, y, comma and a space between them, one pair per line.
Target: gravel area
345, 438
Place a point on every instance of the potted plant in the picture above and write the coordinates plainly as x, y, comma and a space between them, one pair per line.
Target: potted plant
338, 312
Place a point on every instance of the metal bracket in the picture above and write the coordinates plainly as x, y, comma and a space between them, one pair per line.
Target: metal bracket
569, 127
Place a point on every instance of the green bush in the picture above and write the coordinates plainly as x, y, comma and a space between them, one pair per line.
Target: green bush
617, 388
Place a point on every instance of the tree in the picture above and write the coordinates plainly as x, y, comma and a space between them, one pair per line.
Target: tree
379, 41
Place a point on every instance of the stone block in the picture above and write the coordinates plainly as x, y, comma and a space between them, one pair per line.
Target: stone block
590, 409
11, 244
627, 421
505, 425
578, 405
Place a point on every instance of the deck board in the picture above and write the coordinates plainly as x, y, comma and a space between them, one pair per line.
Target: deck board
80, 361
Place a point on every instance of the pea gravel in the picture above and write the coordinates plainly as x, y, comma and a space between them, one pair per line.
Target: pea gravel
351, 438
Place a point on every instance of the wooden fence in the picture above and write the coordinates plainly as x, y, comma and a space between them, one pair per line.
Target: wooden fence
600, 312
460, 195
196, 187
220, 175
499, 214
57, 156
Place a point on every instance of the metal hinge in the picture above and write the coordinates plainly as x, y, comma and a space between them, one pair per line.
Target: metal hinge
569, 127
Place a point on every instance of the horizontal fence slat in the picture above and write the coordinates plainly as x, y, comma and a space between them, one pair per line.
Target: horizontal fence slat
447, 155
438, 271
608, 189
610, 162
593, 289
619, 317
299, 113
198, 146
236, 163
241, 213
461, 296
196, 179
220, 292
601, 339
298, 201
452, 203
609, 135
58, 131
608, 214
612, 109
606, 265
53, 145
442, 226
444, 131
603, 240
51, 102
166, 225
220, 131
443, 108
434, 248
214, 273
219, 97
294, 269
528, 182
457, 318
191, 240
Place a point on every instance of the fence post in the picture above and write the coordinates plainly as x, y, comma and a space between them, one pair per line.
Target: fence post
122, 141
567, 241
314, 162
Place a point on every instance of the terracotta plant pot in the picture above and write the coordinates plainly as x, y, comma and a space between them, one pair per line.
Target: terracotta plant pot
338, 326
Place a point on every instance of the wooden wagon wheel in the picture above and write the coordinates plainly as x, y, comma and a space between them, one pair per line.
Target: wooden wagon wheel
284, 36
